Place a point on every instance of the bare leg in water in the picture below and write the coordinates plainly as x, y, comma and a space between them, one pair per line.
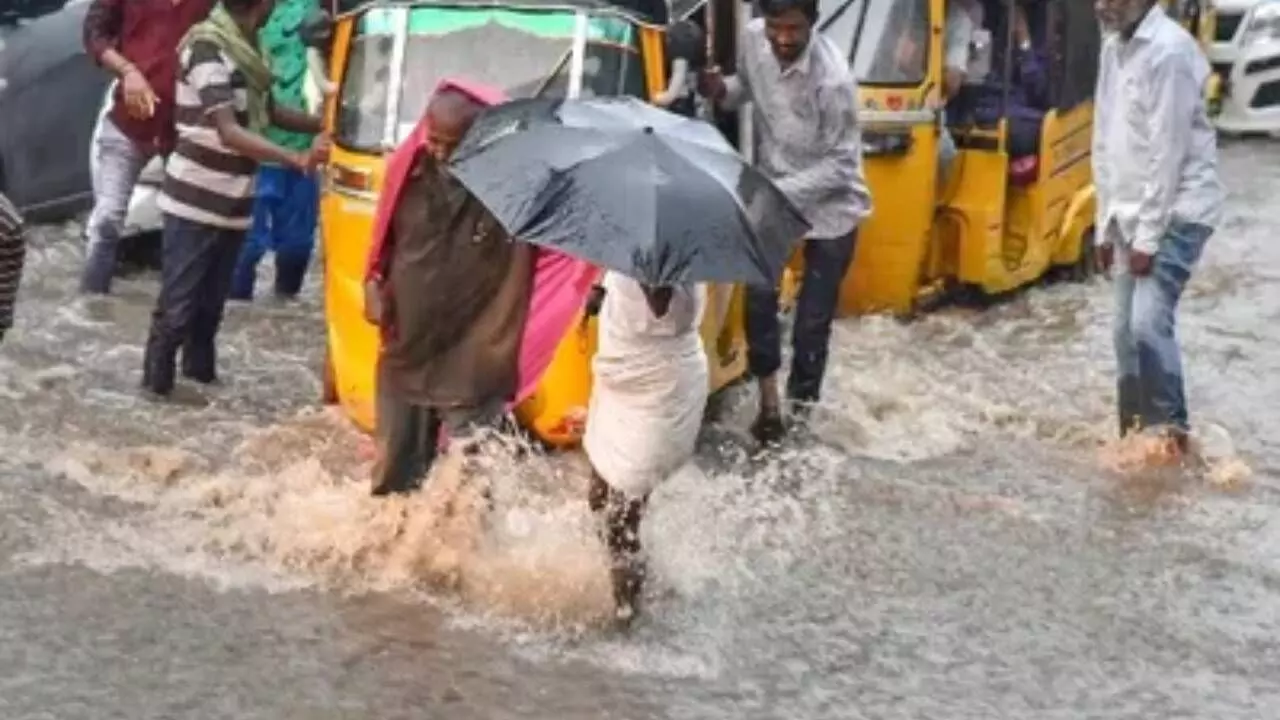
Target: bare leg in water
622, 517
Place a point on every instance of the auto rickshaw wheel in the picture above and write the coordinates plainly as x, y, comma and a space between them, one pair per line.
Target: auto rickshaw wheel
1086, 265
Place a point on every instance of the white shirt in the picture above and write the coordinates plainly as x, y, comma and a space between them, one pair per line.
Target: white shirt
1155, 154
806, 125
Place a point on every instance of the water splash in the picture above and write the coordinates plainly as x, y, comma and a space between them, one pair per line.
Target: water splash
293, 504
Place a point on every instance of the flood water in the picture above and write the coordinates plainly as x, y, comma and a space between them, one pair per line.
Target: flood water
957, 542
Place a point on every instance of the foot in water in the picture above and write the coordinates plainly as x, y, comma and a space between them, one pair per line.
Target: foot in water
628, 577
769, 429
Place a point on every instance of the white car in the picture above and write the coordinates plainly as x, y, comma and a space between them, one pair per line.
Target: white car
1246, 56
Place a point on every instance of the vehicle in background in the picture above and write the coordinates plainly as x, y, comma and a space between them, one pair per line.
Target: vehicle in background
1245, 54
52, 98
999, 222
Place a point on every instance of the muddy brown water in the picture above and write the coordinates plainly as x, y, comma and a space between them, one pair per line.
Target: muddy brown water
956, 543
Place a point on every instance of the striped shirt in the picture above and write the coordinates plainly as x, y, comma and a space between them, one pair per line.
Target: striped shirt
13, 248
205, 181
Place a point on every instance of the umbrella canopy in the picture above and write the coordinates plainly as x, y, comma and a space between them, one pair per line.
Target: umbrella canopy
630, 187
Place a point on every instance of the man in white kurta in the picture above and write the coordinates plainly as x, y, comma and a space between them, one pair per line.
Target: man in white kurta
1155, 166
647, 402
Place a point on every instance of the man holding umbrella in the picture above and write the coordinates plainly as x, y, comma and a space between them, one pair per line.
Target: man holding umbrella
688, 211
805, 118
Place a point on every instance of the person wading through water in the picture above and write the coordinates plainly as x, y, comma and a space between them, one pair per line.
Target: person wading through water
1155, 164
647, 401
137, 42
223, 105
805, 112
450, 291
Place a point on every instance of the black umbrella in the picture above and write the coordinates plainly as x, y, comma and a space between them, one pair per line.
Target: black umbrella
629, 187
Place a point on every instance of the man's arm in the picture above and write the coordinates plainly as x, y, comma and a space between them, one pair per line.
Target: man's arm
102, 25
287, 118
1174, 96
841, 152
211, 79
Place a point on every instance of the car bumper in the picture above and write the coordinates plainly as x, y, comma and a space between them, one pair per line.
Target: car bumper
1251, 91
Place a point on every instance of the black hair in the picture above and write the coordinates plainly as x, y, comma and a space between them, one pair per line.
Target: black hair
774, 8
687, 41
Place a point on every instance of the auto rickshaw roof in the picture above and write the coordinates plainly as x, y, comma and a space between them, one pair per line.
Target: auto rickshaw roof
644, 12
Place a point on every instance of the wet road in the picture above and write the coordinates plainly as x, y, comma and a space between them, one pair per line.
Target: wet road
957, 544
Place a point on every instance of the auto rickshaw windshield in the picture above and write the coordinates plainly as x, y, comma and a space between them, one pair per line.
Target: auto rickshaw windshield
523, 52
888, 40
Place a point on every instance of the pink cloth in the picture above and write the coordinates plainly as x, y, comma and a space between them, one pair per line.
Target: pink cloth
560, 282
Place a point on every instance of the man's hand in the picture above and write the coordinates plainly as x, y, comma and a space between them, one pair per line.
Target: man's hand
308, 160
711, 84
1140, 263
139, 99
320, 148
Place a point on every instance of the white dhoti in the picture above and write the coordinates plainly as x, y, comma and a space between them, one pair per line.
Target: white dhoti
650, 387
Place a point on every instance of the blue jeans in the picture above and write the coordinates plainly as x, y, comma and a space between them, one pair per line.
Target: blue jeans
284, 221
825, 263
1149, 384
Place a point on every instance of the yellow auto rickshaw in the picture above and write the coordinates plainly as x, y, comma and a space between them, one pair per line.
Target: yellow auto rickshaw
996, 223
386, 59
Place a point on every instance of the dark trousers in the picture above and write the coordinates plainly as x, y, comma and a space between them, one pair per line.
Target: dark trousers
409, 436
285, 214
195, 276
825, 263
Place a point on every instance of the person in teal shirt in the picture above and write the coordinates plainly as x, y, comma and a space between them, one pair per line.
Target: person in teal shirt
286, 207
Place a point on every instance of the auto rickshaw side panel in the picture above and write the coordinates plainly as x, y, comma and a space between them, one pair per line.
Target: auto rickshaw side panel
346, 210
895, 255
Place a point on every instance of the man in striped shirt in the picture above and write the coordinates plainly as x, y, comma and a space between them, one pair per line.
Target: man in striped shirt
222, 106
13, 250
